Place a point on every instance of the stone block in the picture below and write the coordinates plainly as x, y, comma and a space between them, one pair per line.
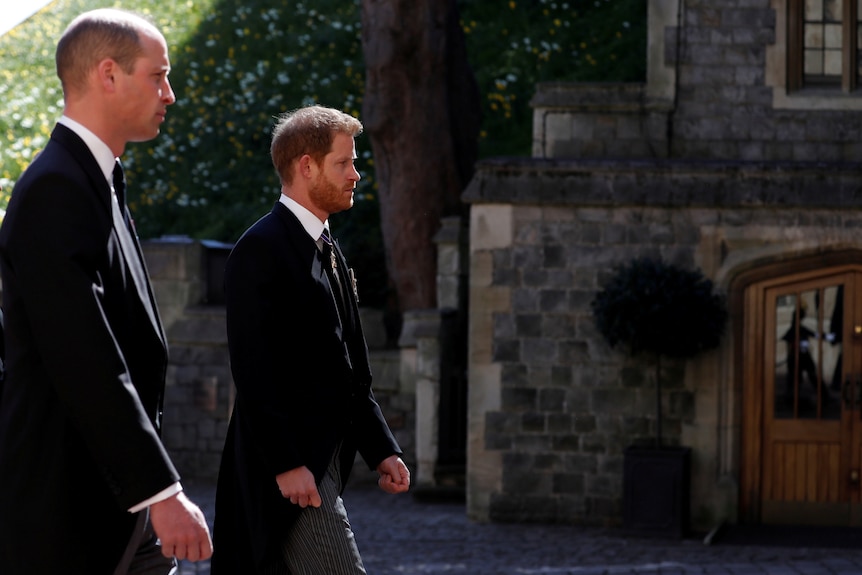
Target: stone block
428, 359
566, 442
531, 442
568, 483
561, 376
528, 325
514, 375
552, 400
407, 371
633, 376
584, 423
552, 300
386, 367
490, 227
560, 423
556, 327
173, 258
539, 351
524, 300
533, 423
507, 350
518, 400
532, 277
498, 422
573, 352
563, 149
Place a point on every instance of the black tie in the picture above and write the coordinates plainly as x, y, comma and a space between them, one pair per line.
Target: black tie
331, 264
120, 190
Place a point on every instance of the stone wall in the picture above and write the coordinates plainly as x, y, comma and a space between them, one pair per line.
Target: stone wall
731, 104
551, 406
715, 89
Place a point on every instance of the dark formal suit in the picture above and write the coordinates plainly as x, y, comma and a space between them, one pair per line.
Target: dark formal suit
86, 358
303, 386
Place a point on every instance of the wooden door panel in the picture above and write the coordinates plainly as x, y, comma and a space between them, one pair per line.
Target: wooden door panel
805, 472
806, 355
787, 430
829, 479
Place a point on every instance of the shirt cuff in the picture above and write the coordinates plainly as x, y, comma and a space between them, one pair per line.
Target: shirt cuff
160, 496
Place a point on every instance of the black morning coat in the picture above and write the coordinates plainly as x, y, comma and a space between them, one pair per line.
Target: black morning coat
86, 355
303, 386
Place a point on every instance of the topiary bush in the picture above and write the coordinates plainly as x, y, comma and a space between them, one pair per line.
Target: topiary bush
652, 307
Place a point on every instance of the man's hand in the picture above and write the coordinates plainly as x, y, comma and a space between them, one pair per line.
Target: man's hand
182, 528
298, 486
394, 475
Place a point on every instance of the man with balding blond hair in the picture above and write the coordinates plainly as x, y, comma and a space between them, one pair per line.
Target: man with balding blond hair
86, 485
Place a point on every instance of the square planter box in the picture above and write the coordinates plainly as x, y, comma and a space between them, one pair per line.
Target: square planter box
656, 490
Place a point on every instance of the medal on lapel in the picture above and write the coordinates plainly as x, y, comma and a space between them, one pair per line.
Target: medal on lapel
353, 284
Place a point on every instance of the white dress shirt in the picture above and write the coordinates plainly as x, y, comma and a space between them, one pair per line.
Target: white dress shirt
309, 221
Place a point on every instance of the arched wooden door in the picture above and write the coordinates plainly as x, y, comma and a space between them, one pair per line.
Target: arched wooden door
802, 412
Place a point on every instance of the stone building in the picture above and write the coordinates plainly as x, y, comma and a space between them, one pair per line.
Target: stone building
739, 156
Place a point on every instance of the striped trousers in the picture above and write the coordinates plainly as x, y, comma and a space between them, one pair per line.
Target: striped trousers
321, 541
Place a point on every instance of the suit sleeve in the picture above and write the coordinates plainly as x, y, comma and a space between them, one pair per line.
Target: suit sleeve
378, 442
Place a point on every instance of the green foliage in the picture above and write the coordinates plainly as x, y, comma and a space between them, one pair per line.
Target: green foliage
31, 99
209, 173
513, 44
653, 307
237, 64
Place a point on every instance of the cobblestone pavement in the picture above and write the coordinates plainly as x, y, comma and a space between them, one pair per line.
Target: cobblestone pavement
400, 535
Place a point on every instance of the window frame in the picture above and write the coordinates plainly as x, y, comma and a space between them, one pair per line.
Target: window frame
779, 58
796, 46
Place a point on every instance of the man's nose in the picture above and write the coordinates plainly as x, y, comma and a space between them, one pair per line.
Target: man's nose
168, 94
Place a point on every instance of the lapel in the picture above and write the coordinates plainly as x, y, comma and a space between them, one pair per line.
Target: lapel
129, 246
351, 296
359, 349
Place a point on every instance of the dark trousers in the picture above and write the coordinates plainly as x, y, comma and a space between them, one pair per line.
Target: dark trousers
143, 555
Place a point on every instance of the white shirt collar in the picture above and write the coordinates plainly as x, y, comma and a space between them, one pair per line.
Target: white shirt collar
100, 150
312, 224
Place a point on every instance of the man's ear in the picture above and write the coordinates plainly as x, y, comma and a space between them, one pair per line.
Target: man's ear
105, 71
307, 166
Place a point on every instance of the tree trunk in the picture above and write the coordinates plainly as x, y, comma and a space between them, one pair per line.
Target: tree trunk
422, 113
